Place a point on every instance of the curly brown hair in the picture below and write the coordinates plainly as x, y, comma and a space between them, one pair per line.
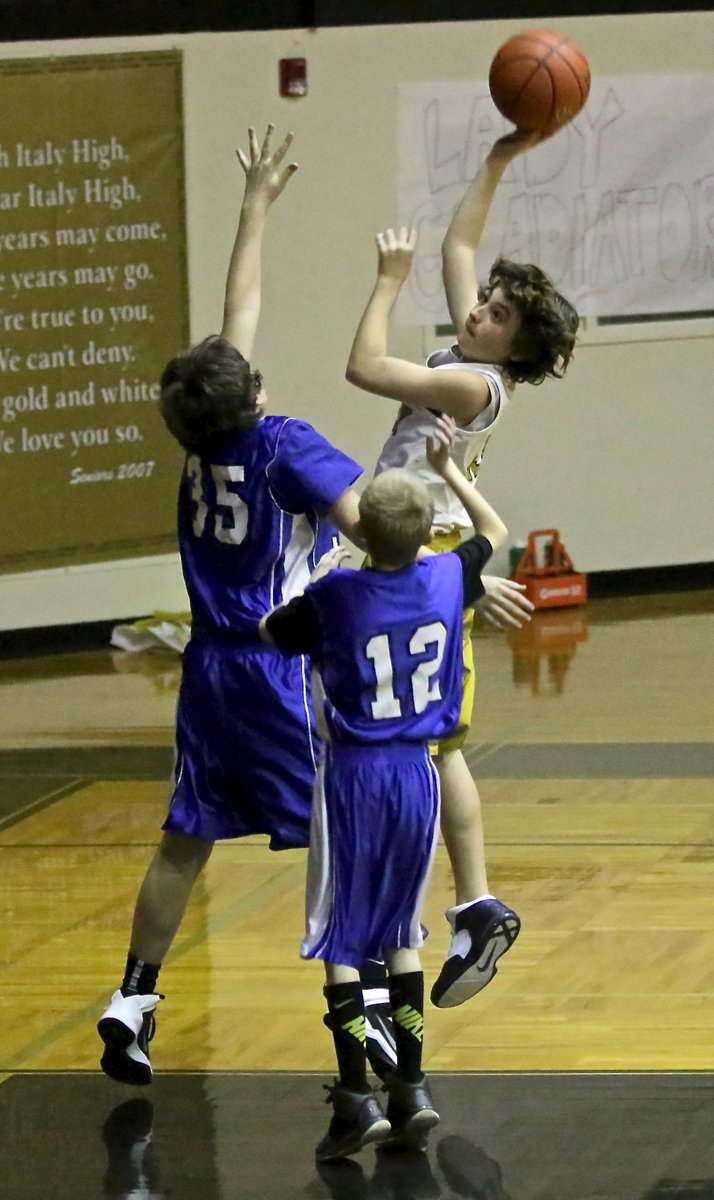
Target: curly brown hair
207, 392
545, 340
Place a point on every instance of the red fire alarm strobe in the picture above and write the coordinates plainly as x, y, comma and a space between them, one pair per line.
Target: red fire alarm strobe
293, 76
555, 582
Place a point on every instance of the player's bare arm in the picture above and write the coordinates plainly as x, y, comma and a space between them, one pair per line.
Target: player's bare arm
344, 513
265, 178
504, 604
463, 395
464, 232
484, 519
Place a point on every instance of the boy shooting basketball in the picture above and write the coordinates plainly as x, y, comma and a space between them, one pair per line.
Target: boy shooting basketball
517, 328
386, 642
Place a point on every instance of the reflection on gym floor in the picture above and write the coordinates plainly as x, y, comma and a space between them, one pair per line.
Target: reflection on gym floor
228, 1136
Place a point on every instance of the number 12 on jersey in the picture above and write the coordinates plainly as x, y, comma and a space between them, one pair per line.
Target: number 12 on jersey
424, 680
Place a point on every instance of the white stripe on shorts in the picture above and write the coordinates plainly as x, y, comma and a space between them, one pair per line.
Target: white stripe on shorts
319, 887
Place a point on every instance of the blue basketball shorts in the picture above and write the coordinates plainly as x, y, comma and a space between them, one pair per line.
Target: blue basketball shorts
246, 745
375, 821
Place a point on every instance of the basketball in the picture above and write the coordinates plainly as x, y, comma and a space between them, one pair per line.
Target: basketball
539, 80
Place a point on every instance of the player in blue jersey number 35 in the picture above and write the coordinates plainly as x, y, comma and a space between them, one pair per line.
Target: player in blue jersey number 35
261, 499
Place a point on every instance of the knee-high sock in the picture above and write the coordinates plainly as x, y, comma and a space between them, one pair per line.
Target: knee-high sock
346, 1021
406, 999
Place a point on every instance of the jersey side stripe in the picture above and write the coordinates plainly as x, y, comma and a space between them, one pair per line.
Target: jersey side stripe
306, 692
297, 557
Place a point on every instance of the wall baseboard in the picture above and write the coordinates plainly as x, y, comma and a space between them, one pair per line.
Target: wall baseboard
94, 635
640, 581
58, 639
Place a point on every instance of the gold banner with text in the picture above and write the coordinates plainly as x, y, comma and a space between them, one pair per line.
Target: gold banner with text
93, 302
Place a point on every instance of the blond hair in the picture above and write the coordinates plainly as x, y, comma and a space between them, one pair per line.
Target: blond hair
396, 512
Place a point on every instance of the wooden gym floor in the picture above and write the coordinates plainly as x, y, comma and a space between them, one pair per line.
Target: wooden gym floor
584, 1070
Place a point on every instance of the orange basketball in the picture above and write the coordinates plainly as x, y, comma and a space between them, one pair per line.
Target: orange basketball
539, 80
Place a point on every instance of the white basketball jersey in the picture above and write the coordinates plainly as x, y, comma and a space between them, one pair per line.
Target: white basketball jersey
406, 447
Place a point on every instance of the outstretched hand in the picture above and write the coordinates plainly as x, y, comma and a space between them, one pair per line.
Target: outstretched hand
264, 174
504, 604
396, 251
439, 442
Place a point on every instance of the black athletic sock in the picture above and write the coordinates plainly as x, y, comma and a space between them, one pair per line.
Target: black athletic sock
373, 973
406, 1000
345, 1020
139, 977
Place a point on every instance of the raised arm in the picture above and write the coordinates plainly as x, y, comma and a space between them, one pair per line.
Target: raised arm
484, 519
461, 394
504, 604
464, 233
265, 178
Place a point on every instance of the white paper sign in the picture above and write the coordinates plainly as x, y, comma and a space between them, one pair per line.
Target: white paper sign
618, 207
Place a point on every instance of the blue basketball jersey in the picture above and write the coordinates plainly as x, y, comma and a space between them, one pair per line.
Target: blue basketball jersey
248, 520
390, 654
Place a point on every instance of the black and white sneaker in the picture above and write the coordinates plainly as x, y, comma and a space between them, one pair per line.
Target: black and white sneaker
357, 1121
482, 932
126, 1028
379, 1027
410, 1112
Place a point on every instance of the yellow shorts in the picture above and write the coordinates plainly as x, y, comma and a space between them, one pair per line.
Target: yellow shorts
440, 544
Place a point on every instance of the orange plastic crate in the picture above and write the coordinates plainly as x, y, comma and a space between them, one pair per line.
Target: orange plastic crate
554, 584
